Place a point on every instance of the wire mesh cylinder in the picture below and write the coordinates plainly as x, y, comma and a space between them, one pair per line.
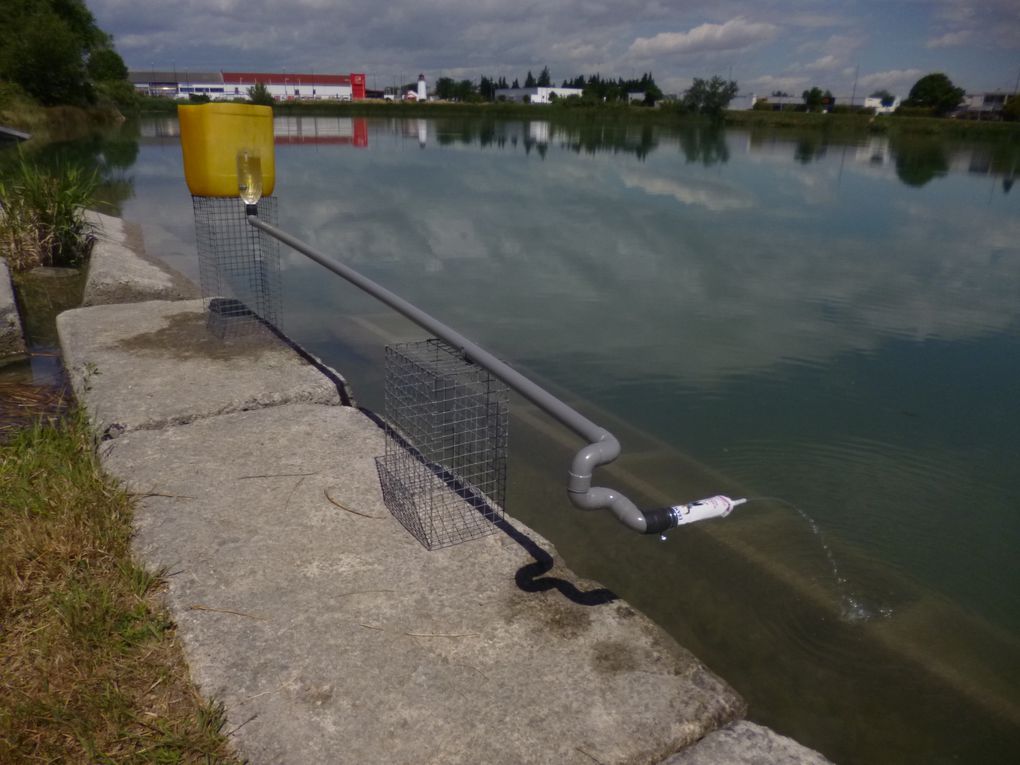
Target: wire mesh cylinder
444, 472
239, 266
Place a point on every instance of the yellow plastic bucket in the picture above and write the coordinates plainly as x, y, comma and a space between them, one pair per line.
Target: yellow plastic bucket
211, 137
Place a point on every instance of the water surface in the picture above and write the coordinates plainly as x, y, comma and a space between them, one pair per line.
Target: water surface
829, 327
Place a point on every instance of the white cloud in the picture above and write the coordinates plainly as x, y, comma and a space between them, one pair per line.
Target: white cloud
895, 80
735, 34
824, 64
788, 84
950, 39
676, 39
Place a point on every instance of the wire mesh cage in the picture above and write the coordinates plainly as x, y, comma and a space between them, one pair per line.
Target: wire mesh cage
239, 266
443, 475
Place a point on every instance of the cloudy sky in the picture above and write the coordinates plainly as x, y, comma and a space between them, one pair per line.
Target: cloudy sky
765, 45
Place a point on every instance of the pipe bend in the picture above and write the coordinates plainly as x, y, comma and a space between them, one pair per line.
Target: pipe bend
600, 452
599, 497
586, 497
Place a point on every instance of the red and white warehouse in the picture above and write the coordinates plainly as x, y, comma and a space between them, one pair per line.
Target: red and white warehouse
224, 86
303, 87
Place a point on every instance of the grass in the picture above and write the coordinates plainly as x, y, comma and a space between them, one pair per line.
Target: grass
90, 669
42, 221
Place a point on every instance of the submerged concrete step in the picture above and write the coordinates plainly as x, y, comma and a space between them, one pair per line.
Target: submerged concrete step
119, 271
332, 635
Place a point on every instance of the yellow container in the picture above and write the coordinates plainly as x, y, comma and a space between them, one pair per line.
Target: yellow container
211, 137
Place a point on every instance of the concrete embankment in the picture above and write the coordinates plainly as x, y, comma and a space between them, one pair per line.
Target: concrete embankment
12, 339
328, 632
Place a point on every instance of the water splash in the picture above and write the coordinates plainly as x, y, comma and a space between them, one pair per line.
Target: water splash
853, 607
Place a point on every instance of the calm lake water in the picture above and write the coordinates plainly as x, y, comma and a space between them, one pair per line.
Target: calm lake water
831, 328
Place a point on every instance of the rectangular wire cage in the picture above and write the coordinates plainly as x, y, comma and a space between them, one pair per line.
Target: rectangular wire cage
239, 266
443, 475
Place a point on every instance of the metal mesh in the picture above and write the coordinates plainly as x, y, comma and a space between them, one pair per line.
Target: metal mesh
239, 266
444, 472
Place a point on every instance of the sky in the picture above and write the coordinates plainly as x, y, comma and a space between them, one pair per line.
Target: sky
766, 46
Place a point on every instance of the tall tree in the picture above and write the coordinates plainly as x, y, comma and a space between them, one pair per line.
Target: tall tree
259, 94
544, 78
46, 47
816, 99
710, 97
937, 92
487, 89
529, 81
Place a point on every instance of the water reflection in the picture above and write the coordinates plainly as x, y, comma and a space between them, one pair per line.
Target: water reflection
915, 160
112, 154
829, 322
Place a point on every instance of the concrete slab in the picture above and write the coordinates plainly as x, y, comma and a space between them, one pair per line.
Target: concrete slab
148, 365
744, 743
331, 635
119, 271
12, 339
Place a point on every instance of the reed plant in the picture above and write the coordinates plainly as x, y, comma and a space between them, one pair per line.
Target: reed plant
42, 220
90, 669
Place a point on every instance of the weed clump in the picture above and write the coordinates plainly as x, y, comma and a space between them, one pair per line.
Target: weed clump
42, 219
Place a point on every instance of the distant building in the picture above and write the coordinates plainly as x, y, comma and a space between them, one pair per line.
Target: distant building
535, 95
777, 103
174, 84
225, 86
985, 105
741, 102
882, 106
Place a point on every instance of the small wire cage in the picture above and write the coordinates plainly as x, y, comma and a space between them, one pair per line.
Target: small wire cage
443, 475
239, 266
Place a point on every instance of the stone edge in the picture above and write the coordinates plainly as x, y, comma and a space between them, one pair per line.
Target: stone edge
12, 337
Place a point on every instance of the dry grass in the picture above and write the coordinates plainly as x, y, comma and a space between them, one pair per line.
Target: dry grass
22, 403
42, 220
90, 670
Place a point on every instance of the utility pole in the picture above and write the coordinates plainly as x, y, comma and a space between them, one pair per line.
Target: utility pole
853, 94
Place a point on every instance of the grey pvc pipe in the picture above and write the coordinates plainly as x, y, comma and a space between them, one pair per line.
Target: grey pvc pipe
603, 447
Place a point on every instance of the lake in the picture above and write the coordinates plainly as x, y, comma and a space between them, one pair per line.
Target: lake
830, 327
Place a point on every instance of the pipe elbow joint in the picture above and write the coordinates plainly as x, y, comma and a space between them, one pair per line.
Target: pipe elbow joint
600, 452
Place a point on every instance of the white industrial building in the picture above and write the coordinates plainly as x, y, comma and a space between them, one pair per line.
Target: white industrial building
541, 95
226, 86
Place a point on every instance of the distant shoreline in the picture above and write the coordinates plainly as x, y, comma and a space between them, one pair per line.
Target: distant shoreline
622, 113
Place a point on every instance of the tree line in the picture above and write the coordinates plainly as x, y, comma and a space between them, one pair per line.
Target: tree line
54, 51
594, 87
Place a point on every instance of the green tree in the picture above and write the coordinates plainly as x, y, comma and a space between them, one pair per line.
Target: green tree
445, 88
544, 78
46, 60
816, 99
54, 50
936, 92
106, 65
529, 81
884, 95
259, 94
487, 89
1011, 110
652, 92
709, 96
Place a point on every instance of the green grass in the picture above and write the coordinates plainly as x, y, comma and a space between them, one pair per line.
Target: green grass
42, 222
90, 669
